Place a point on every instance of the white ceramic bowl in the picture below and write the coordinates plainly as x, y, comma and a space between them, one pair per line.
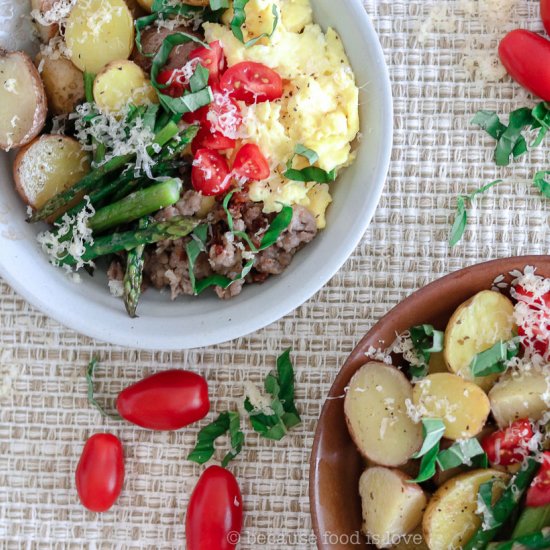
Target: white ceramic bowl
193, 322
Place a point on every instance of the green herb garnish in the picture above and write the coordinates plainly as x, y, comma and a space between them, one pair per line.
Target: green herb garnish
493, 360
226, 422
426, 340
461, 217
539, 181
459, 453
239, 19
274, 424
91, 398
310, 173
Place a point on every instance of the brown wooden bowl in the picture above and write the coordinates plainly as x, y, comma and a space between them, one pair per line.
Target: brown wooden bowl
335, 464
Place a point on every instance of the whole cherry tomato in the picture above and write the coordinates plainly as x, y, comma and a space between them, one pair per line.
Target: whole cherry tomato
100, 472
215, 513
167, 400
545, 14
535, 330
252, 82
539, 492
211, 59
510, 445
210, 173
526, 56
250, 163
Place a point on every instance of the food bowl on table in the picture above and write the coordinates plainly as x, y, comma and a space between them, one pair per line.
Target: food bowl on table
336, 464
205, 320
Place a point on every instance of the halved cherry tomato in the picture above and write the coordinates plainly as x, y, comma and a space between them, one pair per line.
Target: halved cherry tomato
167, 400
222, 115
210, 173
100, 472
252, 83
545, 14
175, 80
211, 59
215, 513
536, 333
509, 446
251, 164
539, 492
206, 139
526, 56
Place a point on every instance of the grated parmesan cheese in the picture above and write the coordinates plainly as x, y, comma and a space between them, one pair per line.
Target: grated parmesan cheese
57, 14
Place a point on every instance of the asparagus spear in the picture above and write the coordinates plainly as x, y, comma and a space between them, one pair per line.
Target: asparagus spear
534, 541
93, 180
505, 505
532, 519
175, 228
134, 275
136, 205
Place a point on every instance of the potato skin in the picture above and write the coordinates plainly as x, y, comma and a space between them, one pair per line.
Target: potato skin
392, 505
151, 41
450, 518
23, 102
463, 406
476, 326
519, 395
376, 415
45, 32
48, 165
63, 82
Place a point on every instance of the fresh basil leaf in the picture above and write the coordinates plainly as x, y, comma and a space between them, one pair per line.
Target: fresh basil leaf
204, 449
194, 247
239, 19
494, 359
90, 383
541, 184
426, 340
485, 503
311, 173
268, 426
483, 189
141, 24
427, 465
239, 234
285, 374
541, 113
216, 5
311, 155
512, 140
277, 226
169, 7
187, 103
490, 122
199, 79
460, 223
432, 432
459, 453
150, 116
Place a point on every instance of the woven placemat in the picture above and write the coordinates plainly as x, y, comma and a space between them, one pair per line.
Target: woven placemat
438, 70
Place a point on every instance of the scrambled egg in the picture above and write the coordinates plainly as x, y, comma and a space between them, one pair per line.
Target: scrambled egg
319, 108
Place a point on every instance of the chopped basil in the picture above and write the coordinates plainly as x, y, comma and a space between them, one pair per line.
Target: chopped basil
459, 453
485, 504
427, 465
240, 234
191, 100
226, 422
194, 247
461, 216
426, 340
310, 173
539, 181
199, 79
91, 398
280, 386
493, 360
278, 225
239, 19
141, 24
490, 122
432, 432
216, 5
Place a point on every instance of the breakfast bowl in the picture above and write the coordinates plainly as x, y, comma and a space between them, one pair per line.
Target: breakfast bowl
189, 322
336, 464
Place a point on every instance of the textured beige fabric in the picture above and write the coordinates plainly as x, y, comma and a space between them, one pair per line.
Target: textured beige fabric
438, 154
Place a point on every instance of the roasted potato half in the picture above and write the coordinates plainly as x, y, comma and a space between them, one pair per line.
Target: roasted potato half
120, 83
463, 406
41, 7
376, 414
392, 505
450, 519
64, 83
98, 32
23, 103
48, 165
476, 326
519, 395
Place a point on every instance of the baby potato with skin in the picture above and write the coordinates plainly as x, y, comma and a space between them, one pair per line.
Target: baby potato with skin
463, 406
120, 83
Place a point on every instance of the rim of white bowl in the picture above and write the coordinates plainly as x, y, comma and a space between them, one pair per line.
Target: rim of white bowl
134, 338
